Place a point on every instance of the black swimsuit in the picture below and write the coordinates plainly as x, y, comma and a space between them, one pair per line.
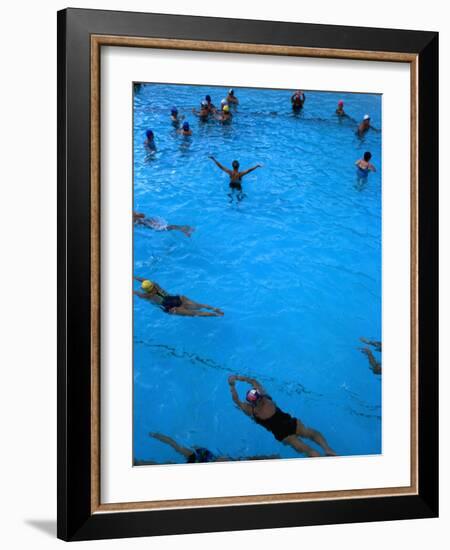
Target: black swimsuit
168, 302
281, 424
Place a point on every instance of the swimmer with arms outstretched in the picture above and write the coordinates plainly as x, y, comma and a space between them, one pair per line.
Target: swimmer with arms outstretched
235, 175
289, 430
158, 224
173, 304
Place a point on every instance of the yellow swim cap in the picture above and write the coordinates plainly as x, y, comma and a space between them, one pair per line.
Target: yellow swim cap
147, 285
226, 108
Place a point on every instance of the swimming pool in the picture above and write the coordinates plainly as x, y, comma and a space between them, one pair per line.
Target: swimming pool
295, 265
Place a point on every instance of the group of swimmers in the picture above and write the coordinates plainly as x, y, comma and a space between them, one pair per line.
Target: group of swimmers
258, 405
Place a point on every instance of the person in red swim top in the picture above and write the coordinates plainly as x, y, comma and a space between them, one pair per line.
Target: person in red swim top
289, 430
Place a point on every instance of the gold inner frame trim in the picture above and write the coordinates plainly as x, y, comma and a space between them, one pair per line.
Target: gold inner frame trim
97, 41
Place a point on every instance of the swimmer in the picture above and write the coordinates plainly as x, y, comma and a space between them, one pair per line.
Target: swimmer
235, 175
173, 304
374, 365
149, 143
203, 113
231, 98
175, 118
185, 130
298, 99
197, 455
289, 430
363, 126
340, 108
364, 166
211, 107
158, 224
223, 103
225, 115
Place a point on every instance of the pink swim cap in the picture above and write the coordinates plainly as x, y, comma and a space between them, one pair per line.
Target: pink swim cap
340, 103
253, 395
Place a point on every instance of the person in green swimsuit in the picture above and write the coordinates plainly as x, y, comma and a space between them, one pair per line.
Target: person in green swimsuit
173, 304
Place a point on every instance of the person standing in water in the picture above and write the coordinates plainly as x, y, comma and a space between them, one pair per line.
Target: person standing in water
225, 115
204, 111
364, 166
173, 304
185, 130
175, 118
340, 108
288, 430
235, 175
210, 105
149, 143
364, 126
158, 224
298, 99
231, 98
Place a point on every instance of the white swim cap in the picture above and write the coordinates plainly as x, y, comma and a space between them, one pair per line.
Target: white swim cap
366, 117
223, 102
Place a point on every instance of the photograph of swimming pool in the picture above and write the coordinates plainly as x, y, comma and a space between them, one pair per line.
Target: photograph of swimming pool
257, 274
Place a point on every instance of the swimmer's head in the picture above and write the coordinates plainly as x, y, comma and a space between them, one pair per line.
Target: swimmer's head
253, 396
208, 98
174, 111
367, 156
186, 126
340, 103
147, 286
204, 103
231, 91
149, 134
366, 117
235, 165
223, 102
226, 109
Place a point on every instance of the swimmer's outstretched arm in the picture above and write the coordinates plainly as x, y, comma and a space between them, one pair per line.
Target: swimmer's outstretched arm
221, 166
245, 172
252, 381
172, 443
140, 279
234, 395
140, 294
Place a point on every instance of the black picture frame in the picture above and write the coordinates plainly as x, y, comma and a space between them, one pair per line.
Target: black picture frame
75, 519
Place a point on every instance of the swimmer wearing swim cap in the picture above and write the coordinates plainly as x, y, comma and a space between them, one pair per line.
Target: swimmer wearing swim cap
231, 98
235, 175
340, 108
173, 304
149, 143
185, 130
261, 408
225, 115
203, 113
364, 126
210, 105
298, 99
175, 117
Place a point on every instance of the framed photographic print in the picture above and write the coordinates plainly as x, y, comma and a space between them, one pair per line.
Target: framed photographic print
247, 274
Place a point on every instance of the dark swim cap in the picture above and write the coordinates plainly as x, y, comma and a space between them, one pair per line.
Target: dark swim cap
149, 134
208, 98
185, 125
235, 164
174, 111
367, 156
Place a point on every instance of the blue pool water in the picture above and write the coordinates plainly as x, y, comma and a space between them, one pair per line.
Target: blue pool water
295, 266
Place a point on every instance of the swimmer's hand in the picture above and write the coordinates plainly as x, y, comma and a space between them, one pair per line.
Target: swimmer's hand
232, 380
